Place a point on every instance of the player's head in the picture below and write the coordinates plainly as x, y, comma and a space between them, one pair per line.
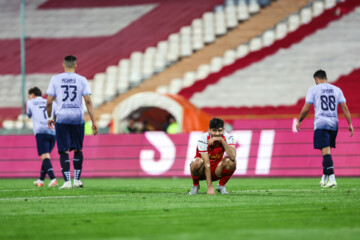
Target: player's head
34, 92
320, 75
216, 127
70, 62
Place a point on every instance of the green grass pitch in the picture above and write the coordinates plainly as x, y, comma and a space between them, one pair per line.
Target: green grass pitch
263, 208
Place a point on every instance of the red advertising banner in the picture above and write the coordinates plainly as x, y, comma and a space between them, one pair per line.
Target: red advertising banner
265, 148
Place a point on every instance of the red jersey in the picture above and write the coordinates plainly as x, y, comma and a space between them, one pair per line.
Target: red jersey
215, 151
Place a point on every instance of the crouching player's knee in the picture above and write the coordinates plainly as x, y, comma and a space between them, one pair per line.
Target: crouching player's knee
230, 165
196, 164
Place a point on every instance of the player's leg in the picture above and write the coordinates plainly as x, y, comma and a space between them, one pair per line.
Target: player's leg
77, 144
77, 161
63, 140
321, 141
197, 172
40, 148
328, 161
224, 171
47, 162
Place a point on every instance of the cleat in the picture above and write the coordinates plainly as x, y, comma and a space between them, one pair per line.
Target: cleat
322, 183
38, 183
77, 184
194, 190
331, 185
53, 183
221, 189
66, 185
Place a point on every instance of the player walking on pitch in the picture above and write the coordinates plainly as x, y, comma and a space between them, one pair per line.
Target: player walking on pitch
325, 98
69, 88
209, 163
45, 137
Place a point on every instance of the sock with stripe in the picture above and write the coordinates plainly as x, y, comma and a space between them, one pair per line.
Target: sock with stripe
65, 165
48, 168
195, 180
42, 172
78, 161
225, 176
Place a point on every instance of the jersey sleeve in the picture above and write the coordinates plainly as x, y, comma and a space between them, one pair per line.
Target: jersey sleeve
51, 89
87, 90
28, 109
203, 144
230, 139
310, 97
341, 97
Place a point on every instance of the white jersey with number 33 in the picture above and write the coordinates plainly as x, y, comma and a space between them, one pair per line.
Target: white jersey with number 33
69, 89
325, 98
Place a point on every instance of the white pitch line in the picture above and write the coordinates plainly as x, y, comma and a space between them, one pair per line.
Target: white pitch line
291, 190
55, 197
15, 190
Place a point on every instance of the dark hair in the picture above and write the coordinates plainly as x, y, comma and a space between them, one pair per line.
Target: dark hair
36, 91
70, 61
320, 74
216, 123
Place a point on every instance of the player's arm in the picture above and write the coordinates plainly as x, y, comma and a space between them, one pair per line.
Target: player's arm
90, 109
229, 149
51, 121
304, 112
205, 157
346, 112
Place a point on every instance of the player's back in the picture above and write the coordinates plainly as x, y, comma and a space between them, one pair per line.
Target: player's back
36, 109
325, 98
69, 88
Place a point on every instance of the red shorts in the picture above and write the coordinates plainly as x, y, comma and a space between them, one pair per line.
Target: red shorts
213, 166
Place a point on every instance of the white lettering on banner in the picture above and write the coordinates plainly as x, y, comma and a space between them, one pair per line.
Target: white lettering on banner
266, 144
167, 151
243, 151
191, 151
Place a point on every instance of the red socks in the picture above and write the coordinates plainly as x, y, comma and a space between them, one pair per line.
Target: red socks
225, 176
195, 180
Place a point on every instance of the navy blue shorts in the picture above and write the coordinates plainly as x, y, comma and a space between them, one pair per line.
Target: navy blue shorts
45, 143
324, 138
69, 137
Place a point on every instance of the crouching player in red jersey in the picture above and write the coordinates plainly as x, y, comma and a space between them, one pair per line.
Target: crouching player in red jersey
209, 163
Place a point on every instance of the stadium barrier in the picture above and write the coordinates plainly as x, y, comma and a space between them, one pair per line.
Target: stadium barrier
265, 148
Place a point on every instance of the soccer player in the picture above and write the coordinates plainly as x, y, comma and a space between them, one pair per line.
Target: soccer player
45, 137
325, 98
209, 163
69, 88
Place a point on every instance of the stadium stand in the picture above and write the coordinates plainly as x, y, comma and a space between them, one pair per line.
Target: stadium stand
55, 36
281, 70
206, 48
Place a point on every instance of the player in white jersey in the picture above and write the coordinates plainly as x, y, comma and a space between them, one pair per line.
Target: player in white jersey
209, 163
45, 137
325, 98
69, 88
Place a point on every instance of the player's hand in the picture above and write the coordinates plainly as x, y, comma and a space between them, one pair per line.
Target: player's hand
298, 126
210, 191
214, 139
351, 129
51, 123
95, 129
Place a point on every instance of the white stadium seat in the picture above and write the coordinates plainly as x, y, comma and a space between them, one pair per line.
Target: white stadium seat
268, 37
293, 22
255, 44
242, 51
318, 8
305, 15
229, 57
189, 79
